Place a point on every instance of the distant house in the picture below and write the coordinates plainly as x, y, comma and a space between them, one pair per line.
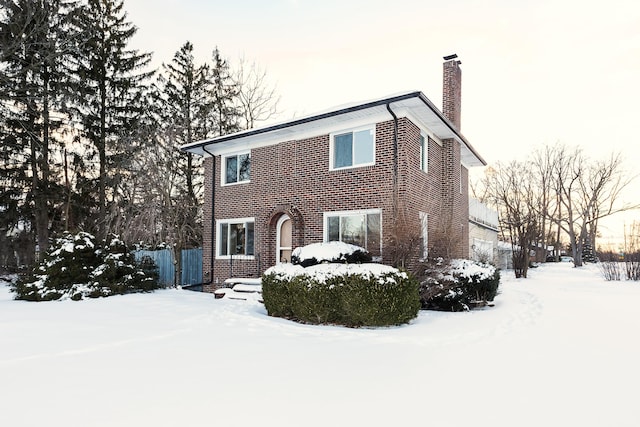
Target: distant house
504, 255
347, 174
483, 232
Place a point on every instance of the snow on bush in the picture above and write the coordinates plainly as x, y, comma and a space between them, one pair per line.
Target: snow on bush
331, 252
75, 267
471, 270
458, 285
338, 292
321, 273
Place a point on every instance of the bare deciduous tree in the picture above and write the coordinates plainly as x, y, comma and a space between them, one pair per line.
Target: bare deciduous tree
543, 162
559, 190
587, 192
513, 190
257, 99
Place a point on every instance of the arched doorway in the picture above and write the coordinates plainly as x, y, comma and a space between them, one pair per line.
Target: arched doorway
284, 241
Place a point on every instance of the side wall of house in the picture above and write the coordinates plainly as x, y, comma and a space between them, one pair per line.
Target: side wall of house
207, 210
435, 192
420, 191
453, 234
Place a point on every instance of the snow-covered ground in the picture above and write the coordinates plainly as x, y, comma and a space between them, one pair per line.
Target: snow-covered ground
558, 349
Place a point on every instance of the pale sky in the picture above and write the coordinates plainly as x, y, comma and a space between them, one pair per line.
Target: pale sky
534, 72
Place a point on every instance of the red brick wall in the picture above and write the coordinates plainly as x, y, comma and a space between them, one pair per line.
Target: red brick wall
456, 178
293, 177
436, 191
206, 232
452, 91
455, 217
420, 191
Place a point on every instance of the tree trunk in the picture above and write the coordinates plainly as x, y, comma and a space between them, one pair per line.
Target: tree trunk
102, 143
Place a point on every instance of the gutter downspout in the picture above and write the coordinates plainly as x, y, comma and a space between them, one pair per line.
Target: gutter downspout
213, 216
395, 159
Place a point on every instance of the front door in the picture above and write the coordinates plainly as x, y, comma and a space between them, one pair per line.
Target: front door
283, 240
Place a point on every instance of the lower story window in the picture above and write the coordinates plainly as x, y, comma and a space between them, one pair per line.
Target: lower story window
361, 228
236, 237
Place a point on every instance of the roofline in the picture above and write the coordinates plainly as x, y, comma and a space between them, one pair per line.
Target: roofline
450, 125
366, 105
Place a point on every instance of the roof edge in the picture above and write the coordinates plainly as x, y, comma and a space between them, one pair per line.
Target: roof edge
363, 106
301, 121
451, 126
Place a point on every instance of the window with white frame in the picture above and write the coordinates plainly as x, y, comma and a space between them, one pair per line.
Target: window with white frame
236, 237
361, 228
236, 168
424, 241
424, 152
353, 148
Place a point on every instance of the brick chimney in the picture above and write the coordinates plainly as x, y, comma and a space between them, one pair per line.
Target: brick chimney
452, 89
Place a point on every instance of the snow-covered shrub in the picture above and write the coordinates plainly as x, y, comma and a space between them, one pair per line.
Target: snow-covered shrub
445, 294
329, 252
121, 274
346, 294
76, 268
458, 285
482, 280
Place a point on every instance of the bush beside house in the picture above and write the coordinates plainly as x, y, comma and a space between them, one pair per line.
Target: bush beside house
458, 285
75, 267
331, 291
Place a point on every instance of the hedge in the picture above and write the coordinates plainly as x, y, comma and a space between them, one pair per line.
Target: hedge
349, 295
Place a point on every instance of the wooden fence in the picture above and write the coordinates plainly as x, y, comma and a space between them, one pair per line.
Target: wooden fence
191, 266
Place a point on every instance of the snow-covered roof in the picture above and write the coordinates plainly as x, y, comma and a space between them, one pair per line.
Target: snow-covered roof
414, 104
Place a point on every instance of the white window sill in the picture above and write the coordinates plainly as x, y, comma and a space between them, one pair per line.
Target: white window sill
240, 257
352, 167
231, 184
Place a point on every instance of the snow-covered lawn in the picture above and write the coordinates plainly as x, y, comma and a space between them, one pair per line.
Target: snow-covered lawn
558, 349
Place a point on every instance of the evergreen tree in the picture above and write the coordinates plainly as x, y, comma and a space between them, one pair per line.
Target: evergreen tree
186, 112
193, 102
224, 93
587, 252
109, 97
35, 44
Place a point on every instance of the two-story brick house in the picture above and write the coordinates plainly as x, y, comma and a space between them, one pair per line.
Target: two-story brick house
352, 174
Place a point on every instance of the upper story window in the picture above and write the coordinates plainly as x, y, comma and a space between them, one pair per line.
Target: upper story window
236, 168
353, 148
424, 152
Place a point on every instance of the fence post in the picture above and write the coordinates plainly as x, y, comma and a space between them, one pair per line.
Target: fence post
176, 273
